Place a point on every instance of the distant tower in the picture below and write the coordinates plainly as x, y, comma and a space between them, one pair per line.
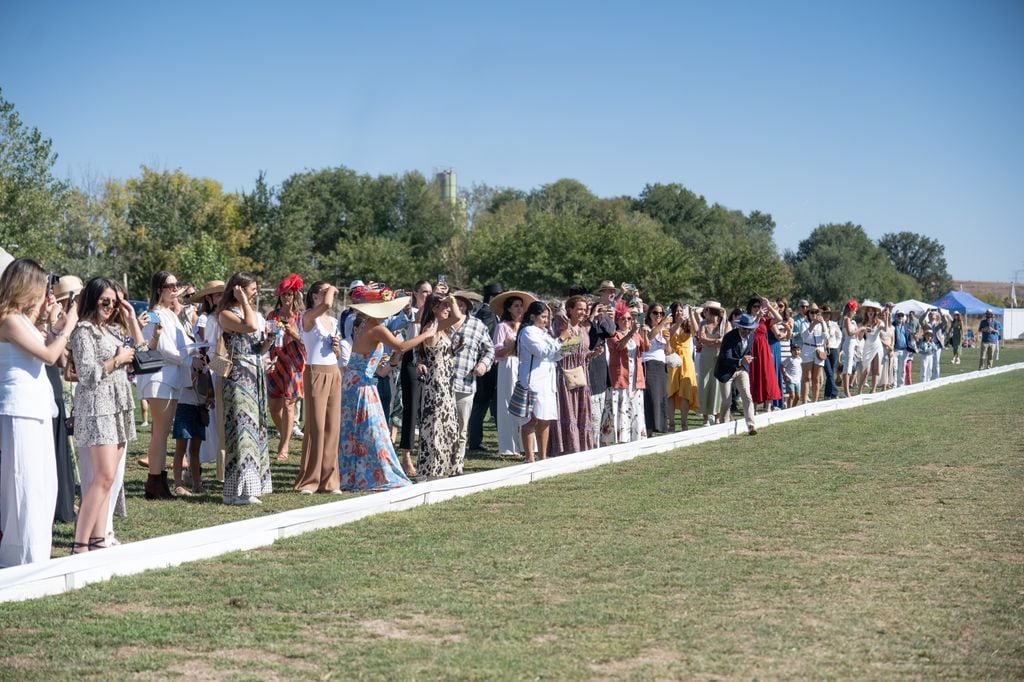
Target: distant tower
448, 182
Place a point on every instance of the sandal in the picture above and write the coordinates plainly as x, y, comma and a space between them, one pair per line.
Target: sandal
83, 546
282, 457
98, 543
182, 491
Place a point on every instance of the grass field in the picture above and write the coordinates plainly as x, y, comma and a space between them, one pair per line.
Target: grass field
881, 542
148, 519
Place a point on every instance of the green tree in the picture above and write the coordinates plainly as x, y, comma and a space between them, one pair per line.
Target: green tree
921, 257
83, 235
837, 262
31, 199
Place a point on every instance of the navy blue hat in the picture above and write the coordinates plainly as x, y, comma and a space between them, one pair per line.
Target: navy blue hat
746, 321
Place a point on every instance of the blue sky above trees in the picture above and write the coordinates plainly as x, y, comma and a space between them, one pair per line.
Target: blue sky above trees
895, 116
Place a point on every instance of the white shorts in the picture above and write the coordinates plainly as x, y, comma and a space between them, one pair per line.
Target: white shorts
151, 386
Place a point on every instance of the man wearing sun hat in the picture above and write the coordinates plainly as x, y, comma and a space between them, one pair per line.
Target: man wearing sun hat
733, 369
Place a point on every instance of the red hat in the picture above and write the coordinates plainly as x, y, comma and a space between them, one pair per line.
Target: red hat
852, 304
621, 309
290, 283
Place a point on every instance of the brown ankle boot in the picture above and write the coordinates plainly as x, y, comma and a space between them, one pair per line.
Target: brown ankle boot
165, 490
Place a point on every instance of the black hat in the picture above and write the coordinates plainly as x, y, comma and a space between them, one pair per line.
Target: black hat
492, 290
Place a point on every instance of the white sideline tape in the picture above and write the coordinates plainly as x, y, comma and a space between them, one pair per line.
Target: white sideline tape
72, 572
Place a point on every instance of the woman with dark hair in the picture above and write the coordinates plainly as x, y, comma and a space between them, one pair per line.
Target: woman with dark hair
539, 353
366, 457
780, 334
28, 467
509, 306
656, 408
208, 331
162, 388
624, 421
318, 468
682, 376
850, 330
439, 427
956, 337
288, 359
409, 378
104, 408
573, 432
710, 332
246, 460
764, 382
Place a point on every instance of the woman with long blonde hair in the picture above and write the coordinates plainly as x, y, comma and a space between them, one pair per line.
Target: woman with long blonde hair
28, 468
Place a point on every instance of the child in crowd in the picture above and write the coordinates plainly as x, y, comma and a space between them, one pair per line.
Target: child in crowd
191, 417
927, 349
792, 371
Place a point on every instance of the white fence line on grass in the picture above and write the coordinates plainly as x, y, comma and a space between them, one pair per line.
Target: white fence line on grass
72, 572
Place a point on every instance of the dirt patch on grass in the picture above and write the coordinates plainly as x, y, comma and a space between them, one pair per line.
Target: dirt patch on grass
417, 628
659, 659
122, 609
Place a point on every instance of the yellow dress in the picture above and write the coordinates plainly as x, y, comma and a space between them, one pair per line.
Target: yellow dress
682, 380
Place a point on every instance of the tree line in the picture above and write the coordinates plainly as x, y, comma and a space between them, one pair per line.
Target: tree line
338, 224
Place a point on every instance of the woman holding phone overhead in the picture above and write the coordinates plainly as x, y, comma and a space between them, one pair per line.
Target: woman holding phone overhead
366, 457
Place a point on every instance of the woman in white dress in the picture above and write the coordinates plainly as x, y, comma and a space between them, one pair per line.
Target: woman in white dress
539, 353
162, 388
28, 468
509, 307
850, 330
871, 356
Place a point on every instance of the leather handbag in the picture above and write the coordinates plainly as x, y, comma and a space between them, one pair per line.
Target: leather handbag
70, 373
147, 361
575, 378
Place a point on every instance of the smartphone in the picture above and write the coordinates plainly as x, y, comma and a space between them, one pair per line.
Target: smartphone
441, 279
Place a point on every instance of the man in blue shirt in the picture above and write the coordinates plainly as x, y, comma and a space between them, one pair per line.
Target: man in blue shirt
902, 347
990, 331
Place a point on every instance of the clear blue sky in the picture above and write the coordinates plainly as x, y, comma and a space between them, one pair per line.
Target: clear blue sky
893, 115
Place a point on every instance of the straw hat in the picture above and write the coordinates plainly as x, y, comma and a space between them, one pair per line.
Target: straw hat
868, 303
214, 286
606, 285
498, 302
377, 303
67, 286
713, 304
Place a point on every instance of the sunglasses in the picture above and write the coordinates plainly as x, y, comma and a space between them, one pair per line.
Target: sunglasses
171, 285
657, 312
106, 303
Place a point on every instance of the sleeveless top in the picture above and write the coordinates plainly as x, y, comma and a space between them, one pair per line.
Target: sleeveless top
25, 390
318, 343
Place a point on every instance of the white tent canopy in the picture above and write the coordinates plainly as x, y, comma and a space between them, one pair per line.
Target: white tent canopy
919, 308
5, 259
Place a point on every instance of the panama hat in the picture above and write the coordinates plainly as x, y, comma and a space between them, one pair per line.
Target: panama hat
214, 286
606, 285
713, 304
868, 303
378, 303
498, 302
67, 286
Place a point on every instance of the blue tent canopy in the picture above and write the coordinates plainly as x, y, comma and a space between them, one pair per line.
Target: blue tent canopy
965, 304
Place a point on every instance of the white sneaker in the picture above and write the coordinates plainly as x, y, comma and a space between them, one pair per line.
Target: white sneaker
305, 492
296, 431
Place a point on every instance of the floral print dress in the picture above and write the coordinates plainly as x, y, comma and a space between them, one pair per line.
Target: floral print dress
246, 458
366, 458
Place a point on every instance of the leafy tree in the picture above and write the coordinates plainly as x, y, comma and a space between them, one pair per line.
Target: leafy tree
838, 262
921, 257
565, 196
680, 211
83, 235
31, 199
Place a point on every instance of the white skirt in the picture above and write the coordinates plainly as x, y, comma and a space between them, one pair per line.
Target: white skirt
510, 442
28, 489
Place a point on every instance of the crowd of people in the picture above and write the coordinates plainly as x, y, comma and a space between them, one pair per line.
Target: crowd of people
376, 375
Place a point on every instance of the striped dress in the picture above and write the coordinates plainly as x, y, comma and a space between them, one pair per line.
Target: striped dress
284, 378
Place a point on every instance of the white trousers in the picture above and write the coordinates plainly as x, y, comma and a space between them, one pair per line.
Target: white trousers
597, 405
928, 366
85, 473
463, 408
28, 489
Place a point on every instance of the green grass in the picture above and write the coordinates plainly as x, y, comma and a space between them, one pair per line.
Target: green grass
880, 542
148, 519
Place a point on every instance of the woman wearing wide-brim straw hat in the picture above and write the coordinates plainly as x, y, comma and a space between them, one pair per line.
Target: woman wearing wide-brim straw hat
366, 458
872, 354
710, 331
67, 286
509, 307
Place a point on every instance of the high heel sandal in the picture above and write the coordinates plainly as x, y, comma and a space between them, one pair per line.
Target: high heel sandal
83, 546
97, 543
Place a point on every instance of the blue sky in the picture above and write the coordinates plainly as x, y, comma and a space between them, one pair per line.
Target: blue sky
896, 116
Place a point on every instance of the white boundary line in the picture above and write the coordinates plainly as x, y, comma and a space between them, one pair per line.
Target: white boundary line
72, 572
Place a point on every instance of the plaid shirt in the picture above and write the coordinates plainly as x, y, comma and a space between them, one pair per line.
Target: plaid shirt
472, 344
